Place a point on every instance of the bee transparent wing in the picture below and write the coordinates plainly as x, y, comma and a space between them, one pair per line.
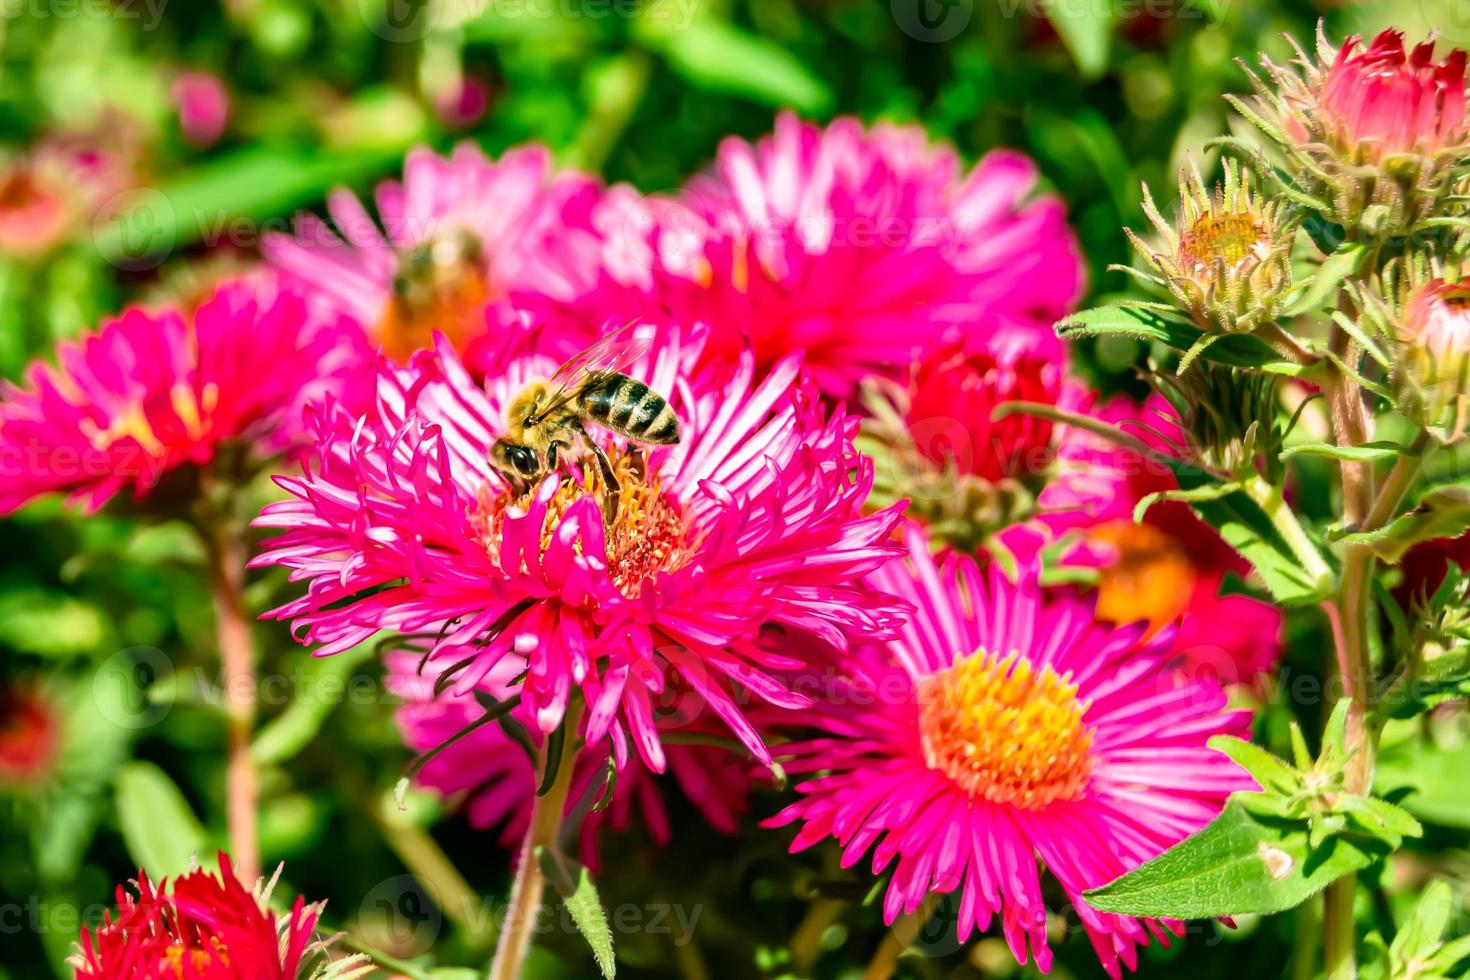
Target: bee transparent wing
612, 354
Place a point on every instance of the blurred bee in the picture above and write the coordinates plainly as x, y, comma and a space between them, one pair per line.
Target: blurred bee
545, 423
427, 269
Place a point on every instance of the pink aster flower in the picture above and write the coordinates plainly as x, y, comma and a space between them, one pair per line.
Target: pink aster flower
859, 247
749, 530
1002, 726
470, 247
495, 779
154, 391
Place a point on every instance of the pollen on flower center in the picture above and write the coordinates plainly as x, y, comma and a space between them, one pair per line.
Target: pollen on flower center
647, 535
1228, 238
1005, 731
440, 286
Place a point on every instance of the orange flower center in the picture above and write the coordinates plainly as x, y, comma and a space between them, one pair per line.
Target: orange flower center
1227, 238
1151, 578
1006, 732
198, 960
440, 286
647, 535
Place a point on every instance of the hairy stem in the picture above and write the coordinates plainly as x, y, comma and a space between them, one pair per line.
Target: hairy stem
1270, 500
525, 895
1356, 669
237, 660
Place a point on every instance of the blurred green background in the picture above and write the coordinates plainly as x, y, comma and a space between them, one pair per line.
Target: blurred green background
105, 620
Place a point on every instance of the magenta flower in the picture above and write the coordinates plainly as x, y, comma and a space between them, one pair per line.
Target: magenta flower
203, 104
495, 781
1004, 725
859, 247
153, 391
469, 247
750, 530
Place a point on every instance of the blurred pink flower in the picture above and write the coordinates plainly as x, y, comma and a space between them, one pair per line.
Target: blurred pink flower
859, 247
51, 192
203, 104
462, 105
497, 781
1392, 100
1003, 726
153, 391
473, 248
751, 528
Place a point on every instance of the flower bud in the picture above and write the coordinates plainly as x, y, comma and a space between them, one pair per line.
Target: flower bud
1377, 128
1434, 357
1227, 257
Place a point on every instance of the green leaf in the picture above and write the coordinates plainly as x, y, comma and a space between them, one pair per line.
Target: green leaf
1240, 864
1320, 291
1443, 512
1247, 528
162, 834
139, 228
1368, 452
1150, 323
291, 731
1272, 773
1087, 31
578, 891
718, 56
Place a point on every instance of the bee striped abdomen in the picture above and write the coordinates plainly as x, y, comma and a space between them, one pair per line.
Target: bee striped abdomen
633, 409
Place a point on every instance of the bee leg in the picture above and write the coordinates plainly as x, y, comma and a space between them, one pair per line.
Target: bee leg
610, 479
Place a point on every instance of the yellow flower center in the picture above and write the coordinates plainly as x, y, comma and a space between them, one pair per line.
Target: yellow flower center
441, 286
647, 535
1227, 238
1006, 732
1151, 578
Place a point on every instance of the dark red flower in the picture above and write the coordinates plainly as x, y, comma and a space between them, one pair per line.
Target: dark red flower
954, 394
30, 736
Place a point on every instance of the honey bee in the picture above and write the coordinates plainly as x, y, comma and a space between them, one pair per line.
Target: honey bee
545, 423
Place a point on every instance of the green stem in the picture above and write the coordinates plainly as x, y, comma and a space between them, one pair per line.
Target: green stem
525, 895
1269, 498
1356, 669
